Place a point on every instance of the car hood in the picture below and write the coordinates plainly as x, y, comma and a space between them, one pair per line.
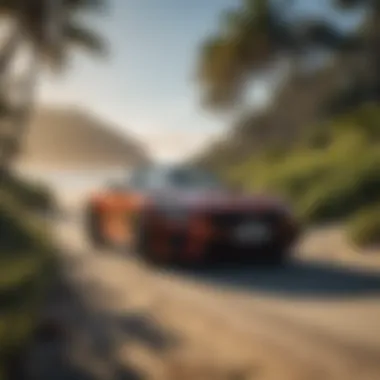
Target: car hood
220, 200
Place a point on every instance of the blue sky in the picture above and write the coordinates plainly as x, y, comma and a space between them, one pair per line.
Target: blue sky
146, 86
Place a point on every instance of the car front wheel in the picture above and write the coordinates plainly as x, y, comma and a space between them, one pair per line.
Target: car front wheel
93, 228
277, 258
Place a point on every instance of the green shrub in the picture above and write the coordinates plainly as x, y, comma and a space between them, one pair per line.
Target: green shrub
31, 195
343, 192
330, 176
323, 202
364, 227
20, 229
292, 178
323, 185
26, 268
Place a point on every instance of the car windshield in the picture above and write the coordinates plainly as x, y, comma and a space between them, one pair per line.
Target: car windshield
193, 179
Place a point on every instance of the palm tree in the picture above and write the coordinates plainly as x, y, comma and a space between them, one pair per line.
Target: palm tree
248, 38
365, 83
251, 38
33, 24
31, 20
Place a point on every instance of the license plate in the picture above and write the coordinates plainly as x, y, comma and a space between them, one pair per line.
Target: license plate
251, 233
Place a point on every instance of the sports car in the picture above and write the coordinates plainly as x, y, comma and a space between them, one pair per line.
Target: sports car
183, 214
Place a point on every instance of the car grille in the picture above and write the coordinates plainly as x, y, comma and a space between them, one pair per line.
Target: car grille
224, 244
227, 220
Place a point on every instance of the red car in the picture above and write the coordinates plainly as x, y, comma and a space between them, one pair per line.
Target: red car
182, 214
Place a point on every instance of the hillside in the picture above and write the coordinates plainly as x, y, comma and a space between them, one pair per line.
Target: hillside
331, 175
297, 107
71, 138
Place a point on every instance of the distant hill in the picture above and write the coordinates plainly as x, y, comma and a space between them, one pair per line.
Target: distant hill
72, 139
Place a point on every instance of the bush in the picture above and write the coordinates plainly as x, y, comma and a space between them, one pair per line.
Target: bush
297, 174
26, 268
330, 176
364, 227
323, 185
342, 193
20, 229
31, 195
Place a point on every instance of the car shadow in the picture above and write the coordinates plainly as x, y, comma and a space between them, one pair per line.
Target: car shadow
295, 279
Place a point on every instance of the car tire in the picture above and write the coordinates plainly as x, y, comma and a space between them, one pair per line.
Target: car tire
277, 259
139, 244
93, 230
142, 246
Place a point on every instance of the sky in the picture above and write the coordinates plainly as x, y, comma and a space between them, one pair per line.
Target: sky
146, 85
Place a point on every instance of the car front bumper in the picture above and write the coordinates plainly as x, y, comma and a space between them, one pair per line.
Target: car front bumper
190, 243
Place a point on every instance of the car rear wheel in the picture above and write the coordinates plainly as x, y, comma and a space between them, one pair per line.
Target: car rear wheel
93, 228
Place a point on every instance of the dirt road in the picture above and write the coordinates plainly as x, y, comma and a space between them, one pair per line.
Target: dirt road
315, 319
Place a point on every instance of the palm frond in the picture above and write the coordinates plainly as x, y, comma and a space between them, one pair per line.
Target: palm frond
349, 4
98, 6
327, 36
74, 36
85, 38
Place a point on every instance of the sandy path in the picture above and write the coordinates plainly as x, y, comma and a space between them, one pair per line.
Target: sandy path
311, 320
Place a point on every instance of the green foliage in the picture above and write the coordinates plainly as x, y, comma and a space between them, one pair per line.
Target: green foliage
248, 37
26, 269
329, 183
251, 36
364, 227
31, 195
343, 189
73, 33
20, 230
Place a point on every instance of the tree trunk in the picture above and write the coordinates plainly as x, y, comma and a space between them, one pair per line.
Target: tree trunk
22, 116
7, 55
8, 52
30, 87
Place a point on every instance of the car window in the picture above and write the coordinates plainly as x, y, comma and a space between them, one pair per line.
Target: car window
180, 178
139, 179
192, 178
